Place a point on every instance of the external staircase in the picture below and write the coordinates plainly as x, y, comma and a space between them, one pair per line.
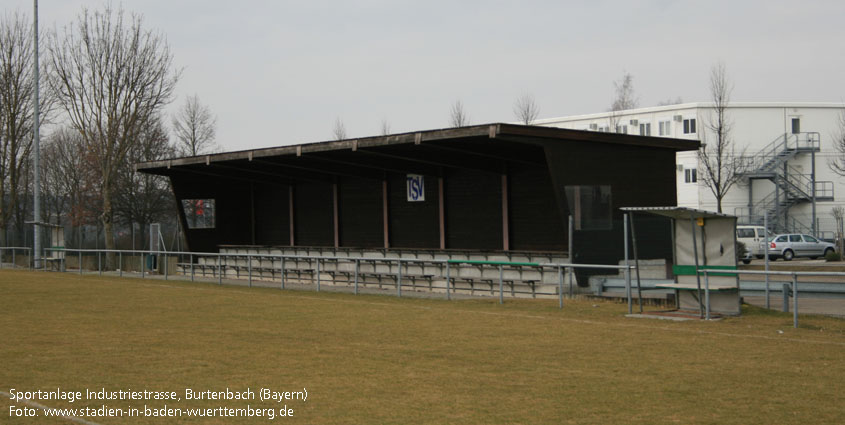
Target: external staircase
791, 186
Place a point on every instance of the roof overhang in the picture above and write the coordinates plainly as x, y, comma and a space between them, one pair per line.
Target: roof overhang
451, 147
682, 213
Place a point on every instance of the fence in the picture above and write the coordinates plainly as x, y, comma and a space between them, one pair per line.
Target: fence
404, 272
794, 285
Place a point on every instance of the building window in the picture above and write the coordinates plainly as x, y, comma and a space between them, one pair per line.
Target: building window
690, 175
645, 129
622, 129
590, 206
199, 213
689, 126
796, 125
664, 128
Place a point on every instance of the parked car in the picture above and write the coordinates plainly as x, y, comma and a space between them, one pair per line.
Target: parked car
755, 239
793, 245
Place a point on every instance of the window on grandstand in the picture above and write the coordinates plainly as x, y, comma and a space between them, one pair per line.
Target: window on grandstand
591, 207
665, 128
199, 213
690, 175
689, 126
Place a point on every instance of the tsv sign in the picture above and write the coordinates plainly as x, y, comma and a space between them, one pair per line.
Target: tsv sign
416, 188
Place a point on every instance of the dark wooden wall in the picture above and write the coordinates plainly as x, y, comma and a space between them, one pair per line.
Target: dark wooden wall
361, 215
258, 213
413, 224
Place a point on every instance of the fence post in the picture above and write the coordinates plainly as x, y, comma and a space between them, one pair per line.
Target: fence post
13, 258
120, 263
80, 262
571, 254
627, 264
794, 300
318, 275
785, 292
191, 263
501, 284
357, 266
448, 281
559, 287
219, 269
143, 264
99, 264
766, 254
282, 262
165, 266
399, 279
249, 268
707, 294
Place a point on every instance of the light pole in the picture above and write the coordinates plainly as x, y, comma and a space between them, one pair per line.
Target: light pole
37, 142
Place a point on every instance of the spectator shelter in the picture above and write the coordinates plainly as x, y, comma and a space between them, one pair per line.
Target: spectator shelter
491, 188
702, 240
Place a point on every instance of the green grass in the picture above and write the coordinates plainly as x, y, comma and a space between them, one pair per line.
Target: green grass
380, 359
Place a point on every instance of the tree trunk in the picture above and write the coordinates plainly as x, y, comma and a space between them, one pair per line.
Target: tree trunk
108, 227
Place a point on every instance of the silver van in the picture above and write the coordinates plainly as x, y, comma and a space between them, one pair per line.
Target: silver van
754, 238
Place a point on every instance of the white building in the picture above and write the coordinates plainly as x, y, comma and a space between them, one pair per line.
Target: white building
788, 144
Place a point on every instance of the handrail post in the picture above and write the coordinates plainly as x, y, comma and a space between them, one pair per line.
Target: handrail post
318, 275
707, 294
559, 286
219, 269
249, 268
143, 265
501, 284
795, 300
282, 270
448, 281
399, 279
165, 265
99, 264
80, 261
120, 263
191, 262
357, 266
13, 258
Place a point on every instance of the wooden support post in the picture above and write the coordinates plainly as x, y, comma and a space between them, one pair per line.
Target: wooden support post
442, 212
336, 216
385, 214
505, 228
290, 214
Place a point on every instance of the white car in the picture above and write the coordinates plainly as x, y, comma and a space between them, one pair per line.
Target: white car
793, 245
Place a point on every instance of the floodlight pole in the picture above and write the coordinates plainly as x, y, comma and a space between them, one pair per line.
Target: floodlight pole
37, 142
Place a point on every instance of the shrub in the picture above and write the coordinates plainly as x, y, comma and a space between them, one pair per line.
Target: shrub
833, 256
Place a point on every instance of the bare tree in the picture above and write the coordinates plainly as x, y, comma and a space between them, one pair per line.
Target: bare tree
458, 116
525, 109
195, 128
70, 180
112, 77
837, 163
624, 98
385, 127
676, 101
723, 166
339, 130
17, 91
145, 198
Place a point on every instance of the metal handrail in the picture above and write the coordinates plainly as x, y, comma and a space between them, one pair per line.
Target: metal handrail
348, 259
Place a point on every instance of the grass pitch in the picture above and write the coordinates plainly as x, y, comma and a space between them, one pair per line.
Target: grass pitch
380, 359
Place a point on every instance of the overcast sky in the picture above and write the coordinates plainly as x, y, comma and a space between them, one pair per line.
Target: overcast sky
281, 72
